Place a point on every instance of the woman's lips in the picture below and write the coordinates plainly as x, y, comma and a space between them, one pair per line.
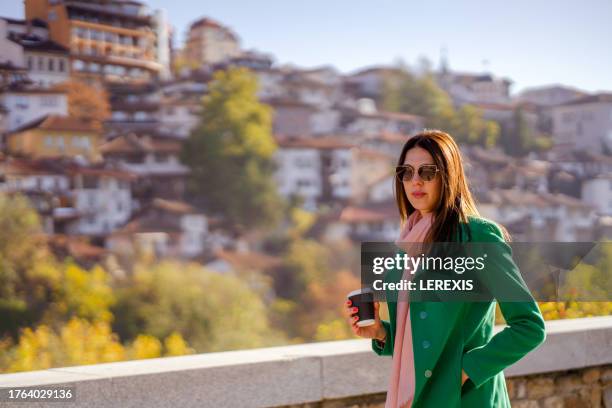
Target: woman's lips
418, 194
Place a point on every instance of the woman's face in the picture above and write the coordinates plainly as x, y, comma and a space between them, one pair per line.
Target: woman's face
423, 195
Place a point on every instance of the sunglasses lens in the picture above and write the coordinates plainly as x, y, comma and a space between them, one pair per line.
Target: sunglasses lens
427, 173
404, 173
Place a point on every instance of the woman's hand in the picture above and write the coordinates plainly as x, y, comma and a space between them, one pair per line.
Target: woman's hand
464, 377
374, 331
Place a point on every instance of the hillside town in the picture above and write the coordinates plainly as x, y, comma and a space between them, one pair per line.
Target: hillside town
120, 186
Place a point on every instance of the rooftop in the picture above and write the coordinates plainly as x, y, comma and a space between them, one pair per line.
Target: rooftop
59, 123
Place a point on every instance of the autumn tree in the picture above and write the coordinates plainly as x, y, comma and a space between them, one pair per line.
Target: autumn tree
87, 102
27, 272
230, 153
80, 342
418, 93
212, 312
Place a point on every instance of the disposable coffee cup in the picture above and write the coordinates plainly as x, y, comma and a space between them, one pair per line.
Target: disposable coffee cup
363, 300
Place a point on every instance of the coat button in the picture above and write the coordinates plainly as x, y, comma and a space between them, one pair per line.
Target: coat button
427, 373
426, 344
423, 314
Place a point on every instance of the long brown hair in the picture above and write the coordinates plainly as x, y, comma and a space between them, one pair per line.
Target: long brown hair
456, 203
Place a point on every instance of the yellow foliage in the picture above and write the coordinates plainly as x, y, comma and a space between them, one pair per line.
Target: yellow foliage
573, 309
145, 346
337, 329
302, 220
86, 294
80, 342
175, 345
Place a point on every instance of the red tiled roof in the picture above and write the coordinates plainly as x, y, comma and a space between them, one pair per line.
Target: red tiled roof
173, 206
15, 166
133, 144
375, 154
386, 210
101, 172
327, 142
60, 123
602, 97
208, 22
76, 247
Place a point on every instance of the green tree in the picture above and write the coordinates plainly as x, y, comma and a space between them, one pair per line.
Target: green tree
212, 312
27, 271
519, 138
471, 128
419, 94
231, 152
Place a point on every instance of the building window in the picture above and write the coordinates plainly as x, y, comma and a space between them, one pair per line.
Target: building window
48, 100
78, 65
30, 63
51, 64
81, 142
48, 141
21, 102
62, 65
567, 117
41, 63
141, 116
302, 162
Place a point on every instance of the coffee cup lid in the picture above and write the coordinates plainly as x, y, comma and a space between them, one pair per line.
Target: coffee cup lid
358, 291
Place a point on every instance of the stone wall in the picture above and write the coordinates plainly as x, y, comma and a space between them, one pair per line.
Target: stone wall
572, 368
583, 388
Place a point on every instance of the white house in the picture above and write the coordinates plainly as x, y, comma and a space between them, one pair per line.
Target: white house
103, 198
315, 169
27, 104
584, 124
597, 192
539, 216
155, 160
166, 228
471, 88
550, 95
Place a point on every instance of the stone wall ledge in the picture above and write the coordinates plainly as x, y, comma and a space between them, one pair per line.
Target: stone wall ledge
288, 375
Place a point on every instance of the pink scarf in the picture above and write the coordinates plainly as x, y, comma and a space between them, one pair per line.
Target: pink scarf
402, 380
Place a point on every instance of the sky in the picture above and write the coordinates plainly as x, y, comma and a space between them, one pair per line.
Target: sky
532, 43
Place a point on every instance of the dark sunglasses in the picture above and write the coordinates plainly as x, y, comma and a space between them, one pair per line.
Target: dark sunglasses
426, 172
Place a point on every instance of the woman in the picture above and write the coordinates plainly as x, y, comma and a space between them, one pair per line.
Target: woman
445, 354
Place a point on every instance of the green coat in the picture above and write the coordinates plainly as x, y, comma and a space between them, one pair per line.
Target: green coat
449, 336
